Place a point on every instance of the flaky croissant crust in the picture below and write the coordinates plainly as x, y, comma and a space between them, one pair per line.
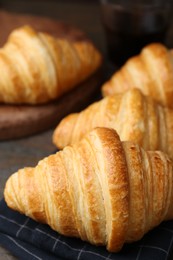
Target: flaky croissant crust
151, 71
36, 67
134, 116
102, 190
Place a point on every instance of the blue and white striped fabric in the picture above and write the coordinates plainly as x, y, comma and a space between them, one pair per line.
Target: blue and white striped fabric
29, 240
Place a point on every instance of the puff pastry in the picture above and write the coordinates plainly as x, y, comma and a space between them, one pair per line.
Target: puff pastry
151, 71
134, 116
105, 191
36, 67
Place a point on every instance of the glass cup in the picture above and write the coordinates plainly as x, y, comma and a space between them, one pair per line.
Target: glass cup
129, 25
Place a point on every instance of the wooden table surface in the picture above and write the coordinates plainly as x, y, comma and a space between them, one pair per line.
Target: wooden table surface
16, 154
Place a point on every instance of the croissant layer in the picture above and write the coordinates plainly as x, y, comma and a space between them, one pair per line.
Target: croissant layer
104, 191
36, 67
133, 115
151, 71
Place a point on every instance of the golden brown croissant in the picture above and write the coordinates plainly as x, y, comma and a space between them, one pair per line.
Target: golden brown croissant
151, 71
36, 67
102, 190
134, 116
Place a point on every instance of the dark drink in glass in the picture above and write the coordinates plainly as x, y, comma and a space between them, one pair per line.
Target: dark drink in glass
130, 25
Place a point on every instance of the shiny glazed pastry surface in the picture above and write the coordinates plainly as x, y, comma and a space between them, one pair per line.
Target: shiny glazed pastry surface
151, 71
37, 67
104, 191
134, 116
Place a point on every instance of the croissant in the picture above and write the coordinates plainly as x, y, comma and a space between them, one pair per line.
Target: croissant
134, 116
151, 71
104, 191
36, 67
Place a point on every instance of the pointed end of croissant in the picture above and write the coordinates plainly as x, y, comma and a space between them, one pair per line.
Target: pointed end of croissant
11, 191
23, 194
62, 134
16, 189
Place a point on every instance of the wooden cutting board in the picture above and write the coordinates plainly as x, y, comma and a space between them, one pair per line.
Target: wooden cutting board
18, 121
